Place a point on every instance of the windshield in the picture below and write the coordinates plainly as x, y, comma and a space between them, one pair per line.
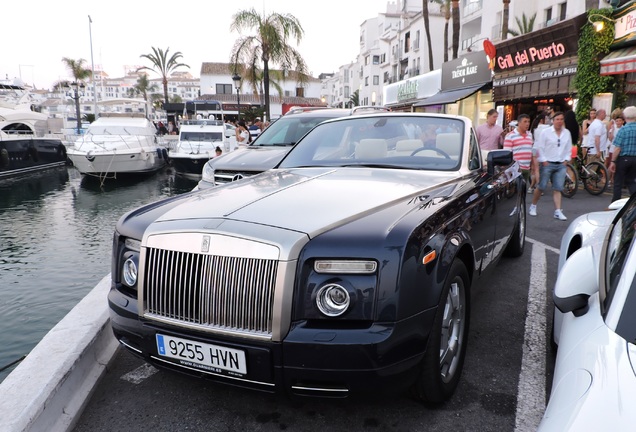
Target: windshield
118, 130
287, 130
201, 136
392, 141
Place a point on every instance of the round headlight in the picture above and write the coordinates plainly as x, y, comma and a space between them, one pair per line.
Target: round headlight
129, 272
333, 300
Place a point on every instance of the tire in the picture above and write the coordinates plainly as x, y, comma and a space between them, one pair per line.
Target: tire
446, 350
518, 237
571, 182
595, 182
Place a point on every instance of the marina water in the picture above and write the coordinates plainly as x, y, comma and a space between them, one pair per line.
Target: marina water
56, 231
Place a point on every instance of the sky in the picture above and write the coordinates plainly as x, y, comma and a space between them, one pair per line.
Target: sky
38, 34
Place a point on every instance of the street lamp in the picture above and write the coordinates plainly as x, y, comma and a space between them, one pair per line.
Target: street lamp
598, 25
75, 92
237, 84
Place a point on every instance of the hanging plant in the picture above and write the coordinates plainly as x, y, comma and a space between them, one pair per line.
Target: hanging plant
593, 46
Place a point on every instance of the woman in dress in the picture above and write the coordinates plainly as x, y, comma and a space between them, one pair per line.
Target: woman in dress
242, 134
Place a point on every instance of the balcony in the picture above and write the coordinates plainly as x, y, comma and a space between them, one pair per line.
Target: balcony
471, 7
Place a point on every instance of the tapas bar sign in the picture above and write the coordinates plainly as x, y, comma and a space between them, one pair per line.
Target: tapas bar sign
535, 76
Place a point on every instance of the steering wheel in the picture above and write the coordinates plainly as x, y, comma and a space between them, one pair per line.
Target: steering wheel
435, 149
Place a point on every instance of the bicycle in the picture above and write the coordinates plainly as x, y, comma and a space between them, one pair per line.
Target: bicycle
593, 175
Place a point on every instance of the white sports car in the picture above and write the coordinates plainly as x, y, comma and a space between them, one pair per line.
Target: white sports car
594, 386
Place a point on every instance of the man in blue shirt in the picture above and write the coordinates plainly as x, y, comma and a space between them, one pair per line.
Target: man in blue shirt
623, 163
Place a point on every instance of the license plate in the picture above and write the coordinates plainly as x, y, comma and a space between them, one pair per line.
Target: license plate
202, 355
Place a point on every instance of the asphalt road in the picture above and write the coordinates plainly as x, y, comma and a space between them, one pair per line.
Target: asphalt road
504, 386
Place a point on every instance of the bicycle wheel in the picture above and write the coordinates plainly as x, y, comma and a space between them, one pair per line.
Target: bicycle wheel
595, 182
571, 182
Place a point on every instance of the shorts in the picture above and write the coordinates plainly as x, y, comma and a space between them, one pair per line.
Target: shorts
555, 172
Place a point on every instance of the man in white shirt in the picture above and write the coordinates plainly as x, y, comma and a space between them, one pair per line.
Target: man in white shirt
553, 150
597, 137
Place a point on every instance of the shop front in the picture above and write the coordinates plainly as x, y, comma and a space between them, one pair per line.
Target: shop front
621, 60
401, 96
465, 89
535, 71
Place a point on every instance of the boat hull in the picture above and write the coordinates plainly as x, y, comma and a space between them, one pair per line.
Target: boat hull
113, 163
19, 156
189, 165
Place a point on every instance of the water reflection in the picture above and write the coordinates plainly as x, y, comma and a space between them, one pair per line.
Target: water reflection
55, 238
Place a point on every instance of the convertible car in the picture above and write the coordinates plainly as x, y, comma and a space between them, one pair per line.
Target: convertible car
345, 269
594, 384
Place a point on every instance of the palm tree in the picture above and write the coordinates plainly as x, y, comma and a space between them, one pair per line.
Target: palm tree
80, 74
525, 25
504, 24
354, 99
270, 44
446, 9
455, 14
143, 87
77, 69
427, 30
163, 65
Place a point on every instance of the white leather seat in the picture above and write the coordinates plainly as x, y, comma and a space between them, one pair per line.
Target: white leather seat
407, 146
449, 143
371, 148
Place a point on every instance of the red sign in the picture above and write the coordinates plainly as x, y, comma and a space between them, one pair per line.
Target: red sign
531, 55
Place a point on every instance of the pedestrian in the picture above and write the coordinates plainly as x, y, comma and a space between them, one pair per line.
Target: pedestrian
549, 115
623, 163
585, 142
553, 152
617, 121
519, 141
242, 134
217, 151
573, 126
489, 134
597, 141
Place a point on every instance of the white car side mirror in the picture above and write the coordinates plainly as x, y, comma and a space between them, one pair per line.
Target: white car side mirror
577, 281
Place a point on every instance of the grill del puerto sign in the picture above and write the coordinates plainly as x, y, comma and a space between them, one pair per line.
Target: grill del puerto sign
531, 55
407, 90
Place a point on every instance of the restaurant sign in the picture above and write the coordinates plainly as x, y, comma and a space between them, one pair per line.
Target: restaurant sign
466, 71
531, 55
407, 90
535, 76
624, 27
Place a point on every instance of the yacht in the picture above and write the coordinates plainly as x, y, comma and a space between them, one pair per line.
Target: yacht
118, 144
198, 143
24, 144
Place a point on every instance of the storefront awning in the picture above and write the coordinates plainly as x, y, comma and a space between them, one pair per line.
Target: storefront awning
619, 62
446, 97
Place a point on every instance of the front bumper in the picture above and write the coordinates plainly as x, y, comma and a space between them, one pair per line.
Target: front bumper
378, 358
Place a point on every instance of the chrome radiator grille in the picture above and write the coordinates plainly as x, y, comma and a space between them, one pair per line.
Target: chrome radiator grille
210, 292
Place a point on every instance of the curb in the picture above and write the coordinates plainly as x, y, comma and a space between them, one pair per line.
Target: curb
48, 390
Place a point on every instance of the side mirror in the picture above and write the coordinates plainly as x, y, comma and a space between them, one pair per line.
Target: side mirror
498, 158
577, 281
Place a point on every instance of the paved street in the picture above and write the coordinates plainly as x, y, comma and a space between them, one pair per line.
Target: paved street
504, 386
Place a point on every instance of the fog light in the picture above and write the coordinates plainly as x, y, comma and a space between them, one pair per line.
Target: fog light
129, 272
333, 300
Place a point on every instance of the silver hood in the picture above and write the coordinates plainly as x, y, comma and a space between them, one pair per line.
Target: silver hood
254, 158
307, 200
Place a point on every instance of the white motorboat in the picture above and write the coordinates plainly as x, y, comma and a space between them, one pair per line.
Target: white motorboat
24, 146
198, 143
118, 144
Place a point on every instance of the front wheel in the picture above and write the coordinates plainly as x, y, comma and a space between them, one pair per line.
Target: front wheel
571, 182
595, 181
518, 237
444, 357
